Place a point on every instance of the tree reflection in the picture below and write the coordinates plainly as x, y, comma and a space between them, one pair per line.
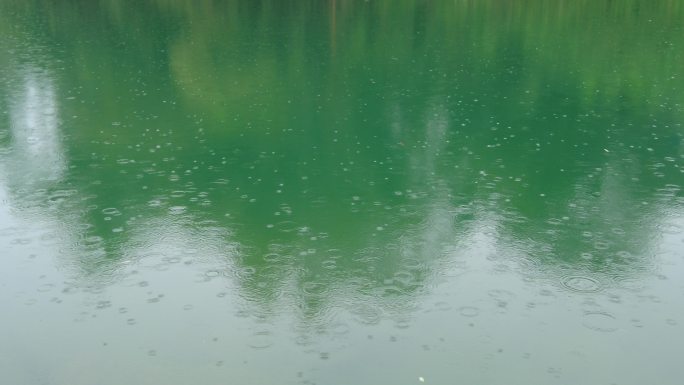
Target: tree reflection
331, 148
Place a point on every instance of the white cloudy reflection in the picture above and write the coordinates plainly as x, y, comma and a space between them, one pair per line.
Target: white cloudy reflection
37, 157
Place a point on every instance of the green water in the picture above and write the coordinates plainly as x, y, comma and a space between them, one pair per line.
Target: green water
341, 192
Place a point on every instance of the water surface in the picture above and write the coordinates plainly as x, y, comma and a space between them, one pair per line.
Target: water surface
341, 192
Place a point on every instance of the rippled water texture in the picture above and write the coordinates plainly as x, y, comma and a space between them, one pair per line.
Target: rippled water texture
341, 192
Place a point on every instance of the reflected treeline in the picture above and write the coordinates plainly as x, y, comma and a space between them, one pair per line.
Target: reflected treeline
353, 148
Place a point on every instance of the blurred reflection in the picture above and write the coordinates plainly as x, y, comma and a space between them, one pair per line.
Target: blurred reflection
36, 159
359, 167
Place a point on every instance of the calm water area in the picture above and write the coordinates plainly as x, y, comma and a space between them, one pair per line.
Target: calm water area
341, 192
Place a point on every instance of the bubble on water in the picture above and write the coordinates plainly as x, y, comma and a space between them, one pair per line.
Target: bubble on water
581, 284
600, 321
329, 264
131, 321
261, 340
469, 311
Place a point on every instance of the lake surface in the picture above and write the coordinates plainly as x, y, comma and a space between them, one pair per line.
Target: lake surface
341, 192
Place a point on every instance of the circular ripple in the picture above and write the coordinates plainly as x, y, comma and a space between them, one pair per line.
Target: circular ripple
469, 311
261, 340
314, 288
272, 257
581, 284
600, 321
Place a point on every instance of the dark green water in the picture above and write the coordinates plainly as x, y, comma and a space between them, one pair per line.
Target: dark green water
341, 192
